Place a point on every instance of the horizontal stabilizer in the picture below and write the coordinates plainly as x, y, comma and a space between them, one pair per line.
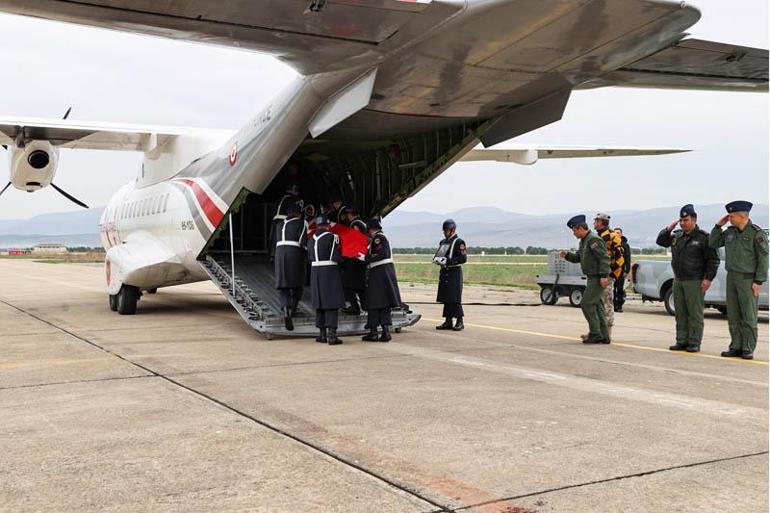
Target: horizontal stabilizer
527, 156
694, 64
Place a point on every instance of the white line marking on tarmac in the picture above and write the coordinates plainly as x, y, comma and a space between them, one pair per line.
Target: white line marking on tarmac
719, 408
570, 355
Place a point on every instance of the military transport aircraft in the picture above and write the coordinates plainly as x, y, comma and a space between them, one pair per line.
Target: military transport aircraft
390, 94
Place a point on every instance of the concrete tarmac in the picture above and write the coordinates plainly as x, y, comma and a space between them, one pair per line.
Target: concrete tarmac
183, 407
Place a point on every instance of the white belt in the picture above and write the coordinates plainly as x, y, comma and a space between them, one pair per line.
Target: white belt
323, 263
380, 262
279, 217
450, 266
288, 243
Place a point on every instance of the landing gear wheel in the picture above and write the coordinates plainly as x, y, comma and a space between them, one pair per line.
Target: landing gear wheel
575, 297
722, 309
548, 296
668, 301
152, 291
114, 302
397, 330
127, 299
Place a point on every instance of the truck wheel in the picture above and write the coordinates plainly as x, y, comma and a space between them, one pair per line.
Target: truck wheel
668, 301
576, 296
548, 295
127, 299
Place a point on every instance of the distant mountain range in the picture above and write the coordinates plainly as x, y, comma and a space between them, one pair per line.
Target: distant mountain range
479, 226
489, 226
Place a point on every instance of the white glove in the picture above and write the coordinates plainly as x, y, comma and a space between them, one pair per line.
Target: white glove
440, 260
361, 257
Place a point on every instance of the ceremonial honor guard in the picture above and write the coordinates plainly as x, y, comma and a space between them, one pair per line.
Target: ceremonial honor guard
291, 196
451, 254
290, 261
382, 292
354, 270
325, 281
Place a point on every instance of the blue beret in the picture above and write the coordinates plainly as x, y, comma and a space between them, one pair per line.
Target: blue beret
322, 219
576, 221
738, 206
687, 210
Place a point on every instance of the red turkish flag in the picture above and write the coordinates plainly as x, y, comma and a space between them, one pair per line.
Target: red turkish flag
352, 242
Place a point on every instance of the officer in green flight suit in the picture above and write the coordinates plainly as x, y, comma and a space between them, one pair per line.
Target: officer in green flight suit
746, 252
595, 264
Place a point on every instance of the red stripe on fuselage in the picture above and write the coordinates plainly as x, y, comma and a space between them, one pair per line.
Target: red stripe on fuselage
209, 208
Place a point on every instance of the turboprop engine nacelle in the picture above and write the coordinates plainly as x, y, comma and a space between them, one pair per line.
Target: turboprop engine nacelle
33, 166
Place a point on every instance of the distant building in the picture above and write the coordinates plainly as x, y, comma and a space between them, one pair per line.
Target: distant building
18, 252
49, 249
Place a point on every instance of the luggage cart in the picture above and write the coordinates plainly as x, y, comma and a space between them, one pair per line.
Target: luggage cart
563, 279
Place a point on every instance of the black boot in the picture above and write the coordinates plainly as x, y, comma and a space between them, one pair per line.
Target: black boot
321, 335
446, 326
332, 338
371, 336
693, 348
594, 339
385, 337
287, 318
677, 347
459, 326
747, 355
732, 352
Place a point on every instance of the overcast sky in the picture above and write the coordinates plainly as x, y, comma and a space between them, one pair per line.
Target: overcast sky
110, 76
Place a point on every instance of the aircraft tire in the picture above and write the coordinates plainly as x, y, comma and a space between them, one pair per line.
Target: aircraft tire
127, 299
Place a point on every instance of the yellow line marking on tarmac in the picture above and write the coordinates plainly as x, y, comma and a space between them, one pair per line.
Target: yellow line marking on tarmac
619, 344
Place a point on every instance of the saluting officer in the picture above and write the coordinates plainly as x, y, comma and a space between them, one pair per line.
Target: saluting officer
354, 270
290, 261
746, 263
382, 292
291, 196
695, 265
324, 254
451, 254
595, 264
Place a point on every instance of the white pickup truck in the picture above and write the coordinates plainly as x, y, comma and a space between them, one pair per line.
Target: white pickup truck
653, 280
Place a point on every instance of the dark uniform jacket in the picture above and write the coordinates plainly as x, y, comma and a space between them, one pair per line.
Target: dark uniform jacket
745, 251
450, 278
691, 256
354, 270
290, 254
323, 252
592, 255
280, 216
382, 285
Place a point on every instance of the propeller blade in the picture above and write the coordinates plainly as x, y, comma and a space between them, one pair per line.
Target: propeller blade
68, 196
4, 188
66, 114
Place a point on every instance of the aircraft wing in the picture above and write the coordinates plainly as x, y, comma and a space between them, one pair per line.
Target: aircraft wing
92, 136
310, 35
527, 156
694, 64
